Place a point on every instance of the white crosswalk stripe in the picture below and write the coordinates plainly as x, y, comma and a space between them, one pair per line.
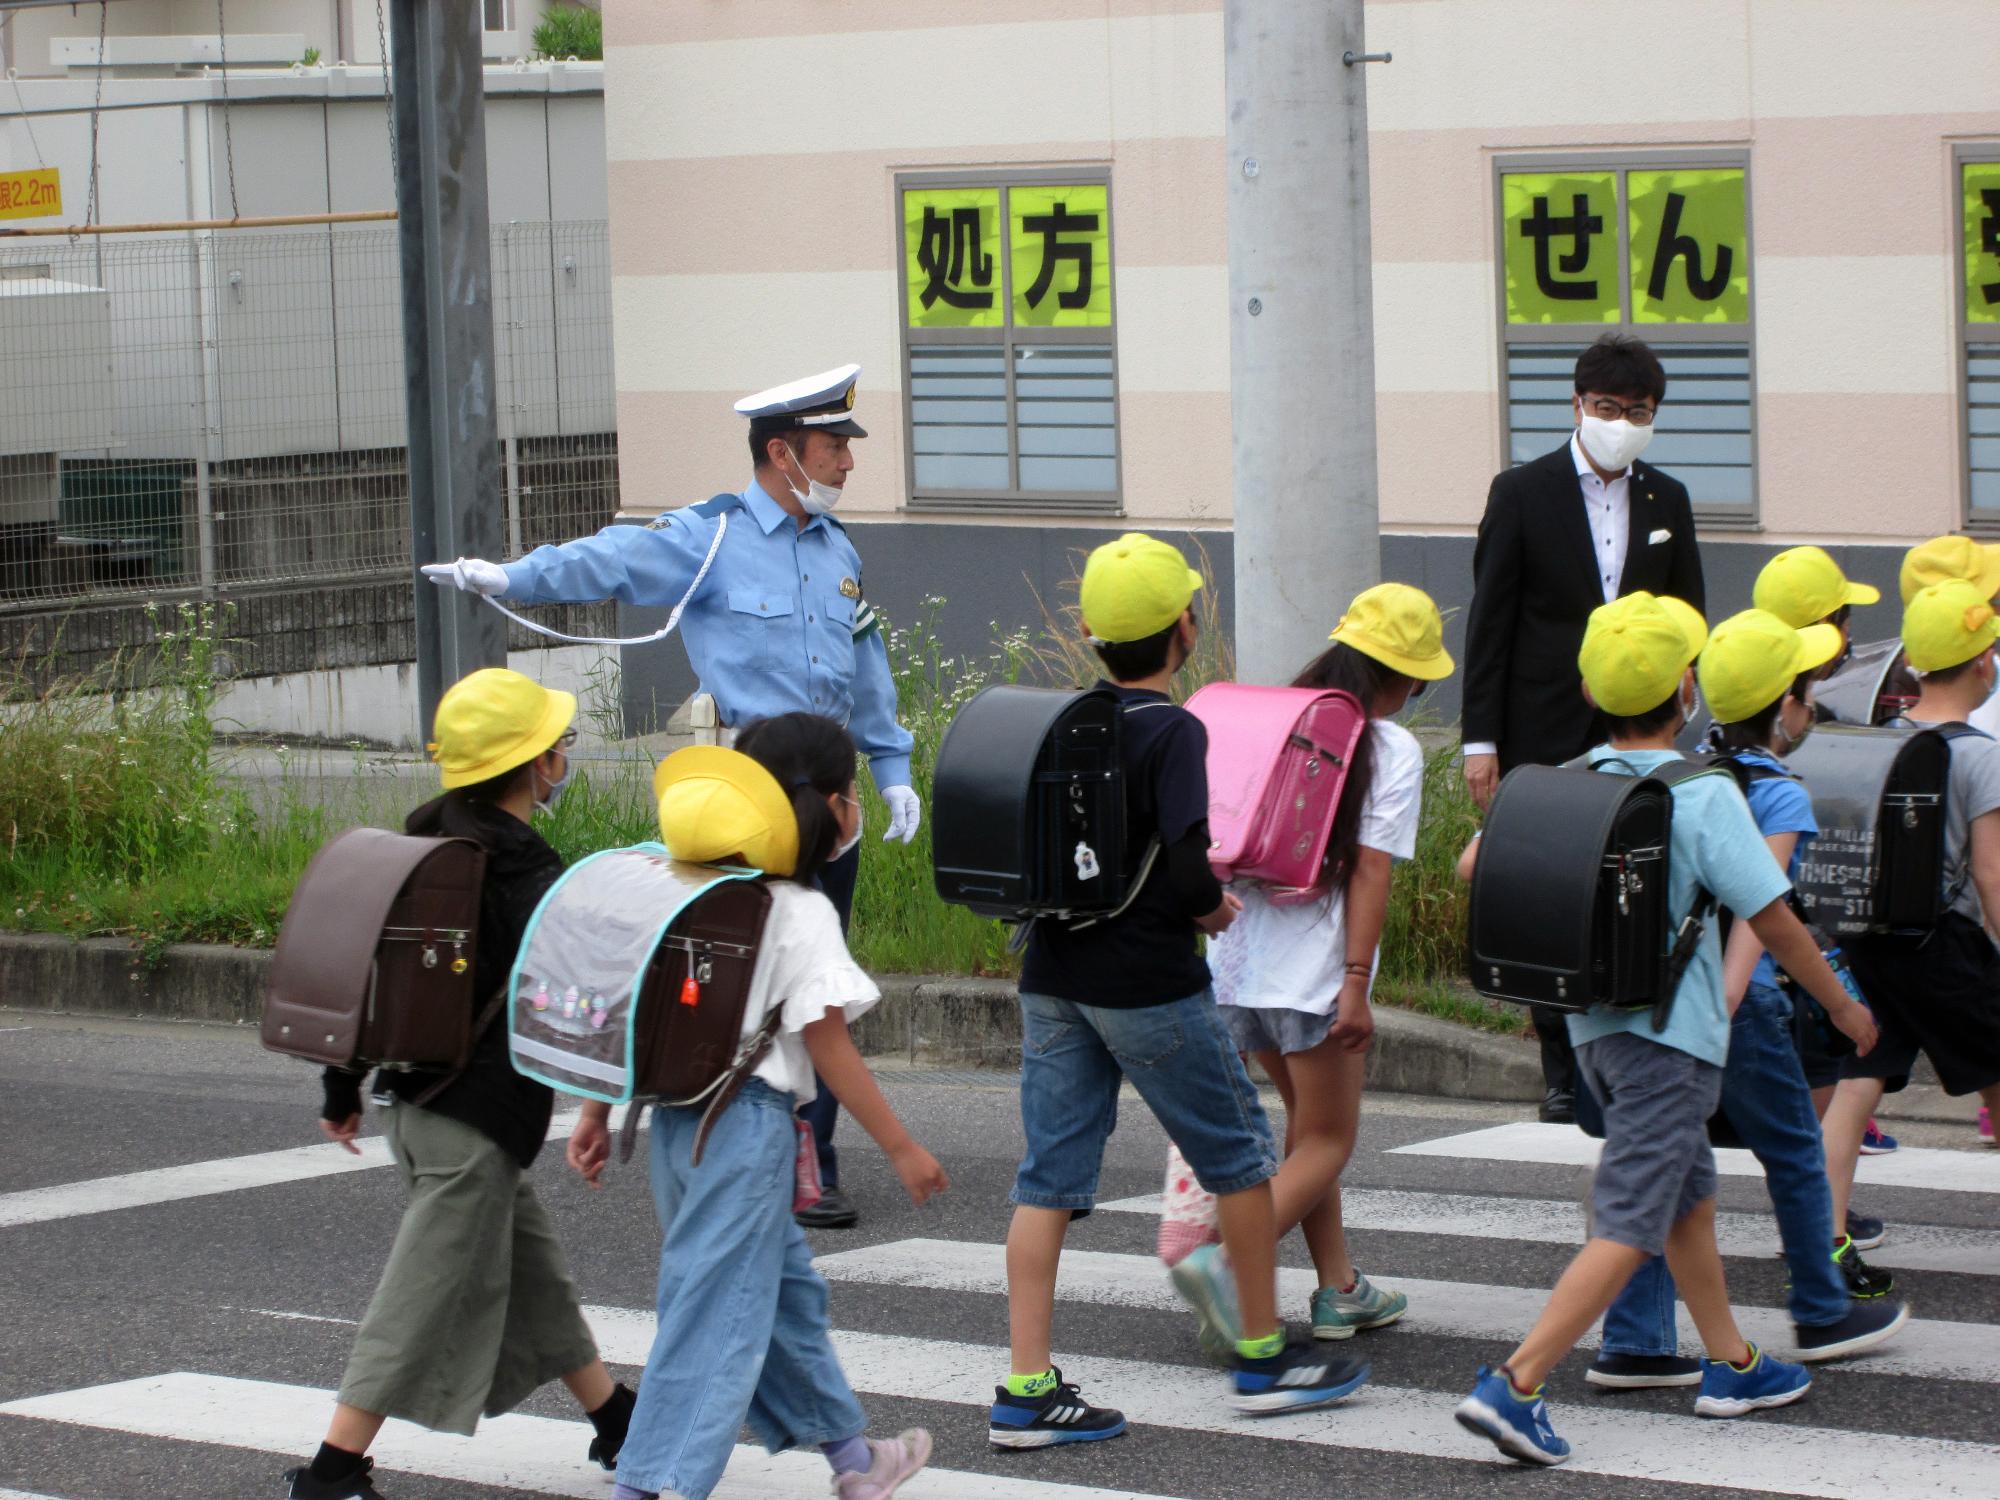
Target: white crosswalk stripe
1549, 1221
1935, 1350
1168, 1398
1565, 1145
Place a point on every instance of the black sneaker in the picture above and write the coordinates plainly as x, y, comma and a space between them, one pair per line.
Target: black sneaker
1059, 1416
1863, 1280
356, 1486
835, 1210
1298, 1376
1642, 1372
1866, 1325
1866, 1233
1558, 1107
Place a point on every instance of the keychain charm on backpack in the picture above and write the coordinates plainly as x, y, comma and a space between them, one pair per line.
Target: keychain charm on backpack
1086, 863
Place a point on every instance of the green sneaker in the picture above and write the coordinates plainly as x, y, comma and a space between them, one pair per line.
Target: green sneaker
1205, 1284
1340, 1315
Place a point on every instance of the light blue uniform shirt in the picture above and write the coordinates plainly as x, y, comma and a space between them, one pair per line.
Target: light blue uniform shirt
770, 629
1715, 845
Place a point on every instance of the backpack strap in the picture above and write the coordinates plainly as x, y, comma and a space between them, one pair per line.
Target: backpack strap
488, 1014
720, 1094
1956, 729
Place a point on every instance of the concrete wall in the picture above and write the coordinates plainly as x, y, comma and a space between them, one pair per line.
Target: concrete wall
753, 235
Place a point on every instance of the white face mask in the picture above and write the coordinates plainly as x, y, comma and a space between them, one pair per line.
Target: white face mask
852, 839
815, 499
1613, 445
547, 801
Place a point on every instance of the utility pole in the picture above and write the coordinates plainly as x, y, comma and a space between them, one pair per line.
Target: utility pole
1301, 326
440, 109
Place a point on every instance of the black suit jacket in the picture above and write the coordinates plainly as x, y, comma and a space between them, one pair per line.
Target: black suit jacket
1534, 584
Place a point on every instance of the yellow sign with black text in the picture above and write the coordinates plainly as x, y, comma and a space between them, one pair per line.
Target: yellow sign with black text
1982, 241
1561, 246
1690, 249
31, 195
951, 257
1061, 255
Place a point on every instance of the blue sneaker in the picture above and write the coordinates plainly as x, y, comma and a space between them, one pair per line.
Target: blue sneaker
1729, 1392
1875, 1141
1296, 1377
1517, 1425
1056, 1416
1206, 1285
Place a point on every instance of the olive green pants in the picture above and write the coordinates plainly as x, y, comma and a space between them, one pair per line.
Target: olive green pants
475, 1309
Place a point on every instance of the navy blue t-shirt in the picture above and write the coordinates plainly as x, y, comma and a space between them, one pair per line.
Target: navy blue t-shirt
1151, 954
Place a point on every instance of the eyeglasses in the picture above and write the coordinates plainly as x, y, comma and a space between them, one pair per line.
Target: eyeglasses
1605, 409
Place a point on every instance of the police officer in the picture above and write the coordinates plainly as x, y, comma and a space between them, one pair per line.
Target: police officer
773, 616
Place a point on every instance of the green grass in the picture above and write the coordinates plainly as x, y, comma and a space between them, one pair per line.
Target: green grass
117, 817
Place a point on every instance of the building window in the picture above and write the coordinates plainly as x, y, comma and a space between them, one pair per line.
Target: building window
499, 15
1651, 245
1979, 330
1009, 342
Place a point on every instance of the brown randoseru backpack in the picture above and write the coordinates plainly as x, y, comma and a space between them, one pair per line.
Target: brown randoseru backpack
631, 984
374, 966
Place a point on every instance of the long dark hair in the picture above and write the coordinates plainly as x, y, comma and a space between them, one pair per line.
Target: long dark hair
1757, 731
812, 759
1341, 666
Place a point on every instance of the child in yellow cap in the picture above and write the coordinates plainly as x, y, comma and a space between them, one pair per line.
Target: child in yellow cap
1293, 981
1934, 992
1944, 558
475, 1309
1654, 1190
1804, 586
743, 1333
1132, 993
1755, 675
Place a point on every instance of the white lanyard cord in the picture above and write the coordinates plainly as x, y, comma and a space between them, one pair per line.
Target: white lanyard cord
673, 617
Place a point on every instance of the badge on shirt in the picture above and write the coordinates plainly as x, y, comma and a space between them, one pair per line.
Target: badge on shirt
849, 589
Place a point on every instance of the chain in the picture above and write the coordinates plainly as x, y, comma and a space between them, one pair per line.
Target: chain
388, 102
26, 119
228, 136
96, 111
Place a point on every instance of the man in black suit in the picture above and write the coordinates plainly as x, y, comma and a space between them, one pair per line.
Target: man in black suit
1562, 534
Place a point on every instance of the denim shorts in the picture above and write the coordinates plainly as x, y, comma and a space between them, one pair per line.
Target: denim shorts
1657, 1164
1180, 1059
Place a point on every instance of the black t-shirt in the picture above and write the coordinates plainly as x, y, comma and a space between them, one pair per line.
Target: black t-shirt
1151, 954
508, 1109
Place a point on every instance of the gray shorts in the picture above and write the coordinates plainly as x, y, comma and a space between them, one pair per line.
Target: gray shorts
1255, 1028
1657, 1164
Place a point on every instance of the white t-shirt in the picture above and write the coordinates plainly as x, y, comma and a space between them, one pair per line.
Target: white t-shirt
1295, 957
802, 964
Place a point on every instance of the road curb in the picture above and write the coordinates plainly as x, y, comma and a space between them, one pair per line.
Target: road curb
940, 1019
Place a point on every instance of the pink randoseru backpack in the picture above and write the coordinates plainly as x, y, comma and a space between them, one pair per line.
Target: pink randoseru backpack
1277, 760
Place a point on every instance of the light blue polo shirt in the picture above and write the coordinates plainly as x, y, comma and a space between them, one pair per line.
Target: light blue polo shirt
1715, 845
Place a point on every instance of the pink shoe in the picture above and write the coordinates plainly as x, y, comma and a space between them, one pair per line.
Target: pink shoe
896, 1459
1985, 1125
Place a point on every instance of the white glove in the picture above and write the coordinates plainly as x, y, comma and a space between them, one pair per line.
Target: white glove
471, 575
906, 813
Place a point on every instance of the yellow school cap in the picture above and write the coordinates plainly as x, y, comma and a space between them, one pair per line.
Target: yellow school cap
1135, 587
720, 804
1948, 623
1636, 649
1400, 627
1753, 657
493, 720
1944, 557
1802, 586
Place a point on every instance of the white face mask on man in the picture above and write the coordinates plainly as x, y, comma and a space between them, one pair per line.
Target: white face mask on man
1613, 445
815, 499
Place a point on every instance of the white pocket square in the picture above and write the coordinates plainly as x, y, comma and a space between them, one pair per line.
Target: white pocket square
1662, 535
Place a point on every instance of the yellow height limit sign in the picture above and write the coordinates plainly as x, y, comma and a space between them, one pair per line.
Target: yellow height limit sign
31, 195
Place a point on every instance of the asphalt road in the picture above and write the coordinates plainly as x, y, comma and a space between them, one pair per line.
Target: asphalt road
241, 1281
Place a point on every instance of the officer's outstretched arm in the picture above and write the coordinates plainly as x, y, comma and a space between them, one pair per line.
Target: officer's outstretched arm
876, 733
645, 565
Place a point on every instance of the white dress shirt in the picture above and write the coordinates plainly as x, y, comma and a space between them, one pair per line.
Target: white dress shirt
1607, 504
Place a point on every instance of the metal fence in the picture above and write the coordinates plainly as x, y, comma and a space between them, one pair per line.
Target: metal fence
222, 411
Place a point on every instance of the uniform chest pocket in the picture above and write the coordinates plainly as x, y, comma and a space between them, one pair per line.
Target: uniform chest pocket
763, 624
839, 610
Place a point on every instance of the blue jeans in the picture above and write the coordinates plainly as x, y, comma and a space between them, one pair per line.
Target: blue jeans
1180, 1059
837, 880
742, 1332
1764, 1094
